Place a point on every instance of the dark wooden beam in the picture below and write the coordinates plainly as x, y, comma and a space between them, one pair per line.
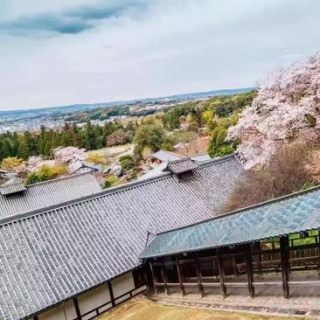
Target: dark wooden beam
180, 277
76, 306
37, 318
199, 278
249, 270
164, 278
319, 251
111, 294
153, 278
221, 273
284, 253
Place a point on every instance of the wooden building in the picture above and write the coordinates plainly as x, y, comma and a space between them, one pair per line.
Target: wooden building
273, 244
69, 255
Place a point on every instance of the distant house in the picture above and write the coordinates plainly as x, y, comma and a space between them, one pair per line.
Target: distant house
161, 159
165, 156
3, 173
200, 158
79, 166
12, 187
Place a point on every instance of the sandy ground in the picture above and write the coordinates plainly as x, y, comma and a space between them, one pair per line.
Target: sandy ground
144, 309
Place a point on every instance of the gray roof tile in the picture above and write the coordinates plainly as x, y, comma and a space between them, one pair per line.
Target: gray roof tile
53, 254
14, 185
299, 212
180, 166
48, 193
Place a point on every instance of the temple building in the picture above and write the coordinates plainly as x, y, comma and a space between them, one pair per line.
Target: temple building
71, 251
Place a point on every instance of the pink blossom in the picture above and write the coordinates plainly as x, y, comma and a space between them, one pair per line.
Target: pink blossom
286, 110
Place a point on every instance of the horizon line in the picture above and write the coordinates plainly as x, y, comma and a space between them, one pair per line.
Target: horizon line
124, 101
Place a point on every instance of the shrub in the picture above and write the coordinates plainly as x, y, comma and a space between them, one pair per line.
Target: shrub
12, 164
111, 181
44, 174
286, 173
96, 158
127, 162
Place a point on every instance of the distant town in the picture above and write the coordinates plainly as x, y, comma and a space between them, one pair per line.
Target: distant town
99, 113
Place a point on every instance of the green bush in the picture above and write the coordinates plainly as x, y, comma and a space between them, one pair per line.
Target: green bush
111, 181
127, 162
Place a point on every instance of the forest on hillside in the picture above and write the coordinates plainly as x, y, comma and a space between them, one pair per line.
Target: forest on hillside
160, 130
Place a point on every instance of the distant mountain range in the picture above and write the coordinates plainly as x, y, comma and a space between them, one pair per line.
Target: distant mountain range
47, 111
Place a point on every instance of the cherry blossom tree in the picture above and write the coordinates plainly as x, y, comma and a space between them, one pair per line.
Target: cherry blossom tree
69, 154
286, 110
35, 163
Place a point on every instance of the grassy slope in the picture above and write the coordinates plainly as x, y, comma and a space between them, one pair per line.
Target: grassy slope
143, 309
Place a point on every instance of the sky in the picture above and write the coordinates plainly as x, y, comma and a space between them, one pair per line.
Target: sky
65, 52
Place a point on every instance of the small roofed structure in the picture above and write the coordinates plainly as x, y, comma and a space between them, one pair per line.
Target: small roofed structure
180, 166
12, 187
201, 158
165, 156
79, 166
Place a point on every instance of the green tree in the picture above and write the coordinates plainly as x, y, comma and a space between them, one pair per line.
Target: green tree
23, 150
127, 162
151, 136
218, 146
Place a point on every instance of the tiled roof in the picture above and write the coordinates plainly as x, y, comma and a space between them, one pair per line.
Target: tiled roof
294, 213
53, 254
48, 193
157, 171
78, 164
180, 166
199, 158
12, 186
166, 156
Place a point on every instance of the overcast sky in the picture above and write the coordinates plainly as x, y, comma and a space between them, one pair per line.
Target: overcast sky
84, 51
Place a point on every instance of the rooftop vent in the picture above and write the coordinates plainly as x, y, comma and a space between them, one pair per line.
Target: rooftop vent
12, 187
182, 169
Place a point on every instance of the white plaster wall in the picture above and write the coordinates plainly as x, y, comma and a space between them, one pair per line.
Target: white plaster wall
59, 314
93, 299
122, 285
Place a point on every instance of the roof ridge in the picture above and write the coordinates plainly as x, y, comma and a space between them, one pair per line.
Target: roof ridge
102, 193
254, 206
180, 160
71, 176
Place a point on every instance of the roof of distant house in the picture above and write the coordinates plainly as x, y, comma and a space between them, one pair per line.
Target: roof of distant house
157, 171
12, 186
199, 158
166, 156
47, 193
82, 243
77, 165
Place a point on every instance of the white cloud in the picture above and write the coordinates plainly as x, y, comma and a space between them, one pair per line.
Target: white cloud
166, 47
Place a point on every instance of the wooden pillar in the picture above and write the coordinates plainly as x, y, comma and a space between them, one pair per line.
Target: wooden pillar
234, 266
258, 248
37, 318
76, 306
111, 294
199, 277
221, 274
319, 252
249, 270
153, 278
180, 276
164, 278
284, 254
